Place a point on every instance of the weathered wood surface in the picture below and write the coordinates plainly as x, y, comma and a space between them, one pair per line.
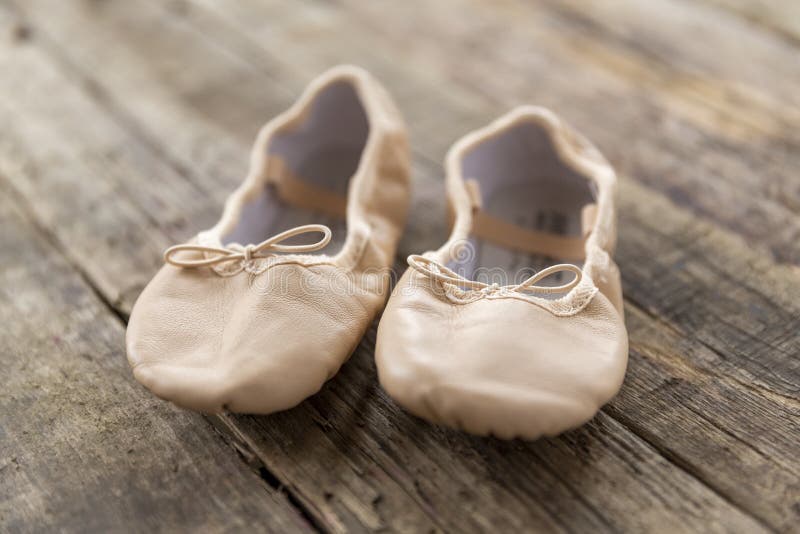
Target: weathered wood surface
82, 448
125, 126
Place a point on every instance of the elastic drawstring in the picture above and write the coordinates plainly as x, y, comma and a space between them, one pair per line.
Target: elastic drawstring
250, 252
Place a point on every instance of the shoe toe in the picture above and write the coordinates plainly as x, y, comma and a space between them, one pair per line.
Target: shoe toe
503, 367
199, 389
216, 344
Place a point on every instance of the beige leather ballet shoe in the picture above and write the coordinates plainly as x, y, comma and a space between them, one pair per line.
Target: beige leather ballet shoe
240, 319
473, 336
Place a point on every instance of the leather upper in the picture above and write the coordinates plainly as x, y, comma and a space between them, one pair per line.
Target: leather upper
261, 334
505, 360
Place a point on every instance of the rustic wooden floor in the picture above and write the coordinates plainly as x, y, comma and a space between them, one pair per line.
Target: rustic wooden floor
125, 124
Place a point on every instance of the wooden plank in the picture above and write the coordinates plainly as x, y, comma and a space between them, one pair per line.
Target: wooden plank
82, 448
158, 189
250, 101
781, 17
755, 72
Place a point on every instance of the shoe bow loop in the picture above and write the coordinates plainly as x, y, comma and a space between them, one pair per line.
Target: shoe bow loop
245, 254
438, 272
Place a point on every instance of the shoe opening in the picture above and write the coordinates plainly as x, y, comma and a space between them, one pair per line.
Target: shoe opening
531, 208
311, 161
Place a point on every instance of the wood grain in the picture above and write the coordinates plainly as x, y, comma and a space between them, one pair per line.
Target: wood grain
81, 447
144, 122
776, 17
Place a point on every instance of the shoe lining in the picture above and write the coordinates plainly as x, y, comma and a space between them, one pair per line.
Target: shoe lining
522, 181
324, 149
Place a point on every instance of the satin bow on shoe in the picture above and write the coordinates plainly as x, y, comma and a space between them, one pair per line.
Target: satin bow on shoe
440, 273
249, 252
